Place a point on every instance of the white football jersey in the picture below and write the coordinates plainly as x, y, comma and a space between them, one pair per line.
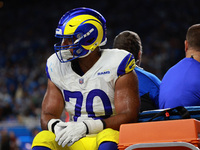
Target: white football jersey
90, 95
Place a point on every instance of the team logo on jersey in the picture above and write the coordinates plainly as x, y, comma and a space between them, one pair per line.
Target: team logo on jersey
104, 72
81, 81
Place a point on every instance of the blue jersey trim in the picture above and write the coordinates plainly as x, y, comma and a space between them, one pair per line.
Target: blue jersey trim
47, 72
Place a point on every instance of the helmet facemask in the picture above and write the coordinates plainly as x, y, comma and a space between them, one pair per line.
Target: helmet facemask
63, 51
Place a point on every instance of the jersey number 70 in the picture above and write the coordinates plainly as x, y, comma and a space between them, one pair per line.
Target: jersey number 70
89, 103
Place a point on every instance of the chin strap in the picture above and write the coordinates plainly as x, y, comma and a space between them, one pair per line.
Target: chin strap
104, 42
85, 54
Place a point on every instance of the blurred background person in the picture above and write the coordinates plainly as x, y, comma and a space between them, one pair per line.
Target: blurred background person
148, 83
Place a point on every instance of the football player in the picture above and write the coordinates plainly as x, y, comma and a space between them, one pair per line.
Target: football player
97, 87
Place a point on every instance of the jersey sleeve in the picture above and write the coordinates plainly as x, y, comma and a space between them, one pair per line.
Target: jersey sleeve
127, 65
47, 72
52, 66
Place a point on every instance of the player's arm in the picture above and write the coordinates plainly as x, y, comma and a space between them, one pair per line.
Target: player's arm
52, 108
127, 101
52, 105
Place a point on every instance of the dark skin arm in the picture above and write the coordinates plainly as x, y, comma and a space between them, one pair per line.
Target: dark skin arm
52, 105
127, 101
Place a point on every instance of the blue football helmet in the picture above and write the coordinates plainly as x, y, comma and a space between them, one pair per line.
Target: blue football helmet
85, 27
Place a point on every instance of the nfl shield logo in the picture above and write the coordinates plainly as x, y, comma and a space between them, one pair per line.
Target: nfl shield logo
81, 81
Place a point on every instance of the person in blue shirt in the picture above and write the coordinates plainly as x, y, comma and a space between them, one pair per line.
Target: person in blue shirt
148, 82
180, 85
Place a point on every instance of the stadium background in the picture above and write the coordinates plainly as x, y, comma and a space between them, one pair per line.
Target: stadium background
27, 30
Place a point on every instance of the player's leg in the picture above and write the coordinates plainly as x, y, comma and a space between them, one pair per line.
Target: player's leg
40, 148
108, 139
108, 146
105, 140
45, 140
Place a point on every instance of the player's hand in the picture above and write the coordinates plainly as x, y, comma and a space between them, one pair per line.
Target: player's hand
70, 132
57, 128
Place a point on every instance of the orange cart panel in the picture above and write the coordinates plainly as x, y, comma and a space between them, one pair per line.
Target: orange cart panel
185, 130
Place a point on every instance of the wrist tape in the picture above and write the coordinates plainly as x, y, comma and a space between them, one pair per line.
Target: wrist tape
51, 124
94, 126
